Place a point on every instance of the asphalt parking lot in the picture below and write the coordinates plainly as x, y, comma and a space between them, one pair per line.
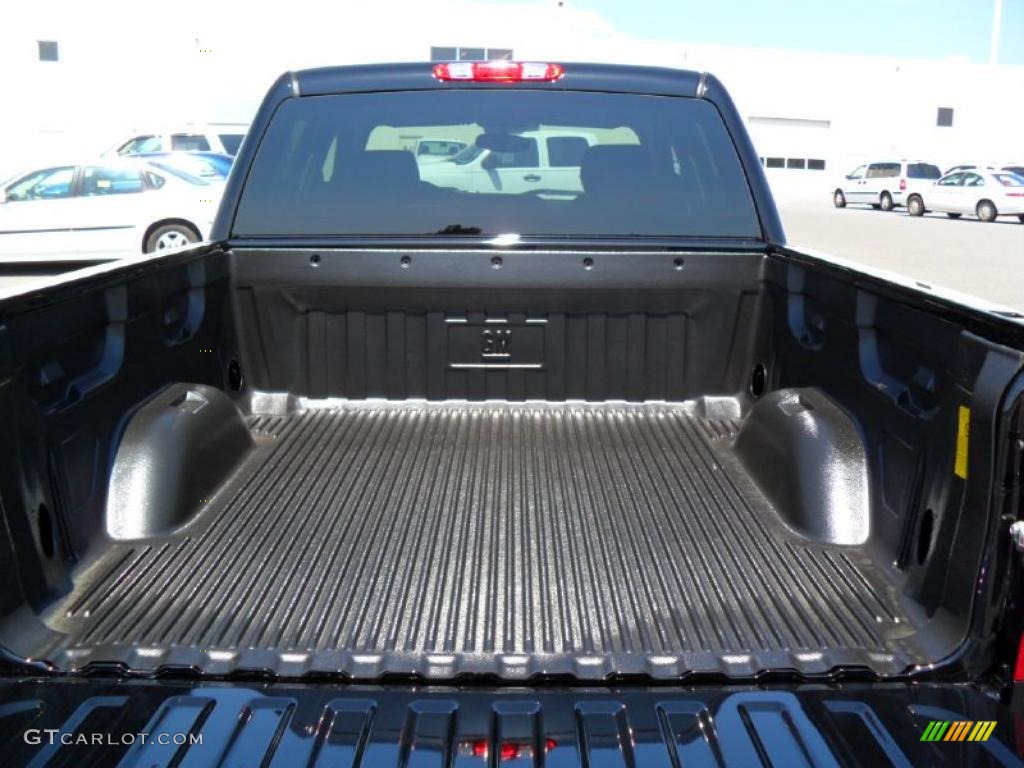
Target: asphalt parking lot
966, 255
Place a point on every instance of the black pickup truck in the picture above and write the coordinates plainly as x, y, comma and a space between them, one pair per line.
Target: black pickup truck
495, 461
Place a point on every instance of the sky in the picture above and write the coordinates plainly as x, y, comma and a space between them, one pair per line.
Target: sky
897, 28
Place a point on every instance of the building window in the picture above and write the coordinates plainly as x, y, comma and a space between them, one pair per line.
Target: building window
816, 165
442, 53
945, 118
775, 162
796, 162
48, 50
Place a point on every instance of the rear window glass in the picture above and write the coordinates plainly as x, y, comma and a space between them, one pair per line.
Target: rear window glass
923, 171
566, 151
1009, 179
521, 154
533, 163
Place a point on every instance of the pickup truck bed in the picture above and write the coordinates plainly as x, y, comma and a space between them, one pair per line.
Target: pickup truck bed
500, 539
390, 450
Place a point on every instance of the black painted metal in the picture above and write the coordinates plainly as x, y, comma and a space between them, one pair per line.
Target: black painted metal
252, 724
37, 268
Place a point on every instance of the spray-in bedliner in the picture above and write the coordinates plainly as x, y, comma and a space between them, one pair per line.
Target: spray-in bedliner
512, 540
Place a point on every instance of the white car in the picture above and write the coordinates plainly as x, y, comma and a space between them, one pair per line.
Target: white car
531, 161
224, 140
985, 194
114, 208
884, 185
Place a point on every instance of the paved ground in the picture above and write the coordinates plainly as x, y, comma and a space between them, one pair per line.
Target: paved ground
985, 260
967, 255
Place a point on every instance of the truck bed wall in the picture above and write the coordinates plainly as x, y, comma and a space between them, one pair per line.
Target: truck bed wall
74, 365
610, 326
909, 376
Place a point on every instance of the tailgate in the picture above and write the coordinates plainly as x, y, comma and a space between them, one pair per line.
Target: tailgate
91, 722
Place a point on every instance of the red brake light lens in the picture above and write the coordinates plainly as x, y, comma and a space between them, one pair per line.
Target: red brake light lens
1018, 668
500, 71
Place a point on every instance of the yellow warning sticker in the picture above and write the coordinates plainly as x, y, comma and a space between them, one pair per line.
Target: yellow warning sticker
963, 436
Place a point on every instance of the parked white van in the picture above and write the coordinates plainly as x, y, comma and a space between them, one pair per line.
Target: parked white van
884, 185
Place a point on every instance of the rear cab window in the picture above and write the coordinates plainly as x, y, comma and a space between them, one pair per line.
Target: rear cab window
566, 151
616, 165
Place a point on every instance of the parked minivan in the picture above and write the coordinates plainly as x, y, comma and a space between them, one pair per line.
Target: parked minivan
884, 185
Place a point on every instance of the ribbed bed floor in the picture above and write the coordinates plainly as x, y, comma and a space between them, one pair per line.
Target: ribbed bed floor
492, 539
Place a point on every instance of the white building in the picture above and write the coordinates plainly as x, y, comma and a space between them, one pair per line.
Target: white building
118, 69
